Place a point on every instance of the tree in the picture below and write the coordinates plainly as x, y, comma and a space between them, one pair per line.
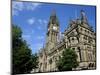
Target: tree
68, 60
23, 61
35, 60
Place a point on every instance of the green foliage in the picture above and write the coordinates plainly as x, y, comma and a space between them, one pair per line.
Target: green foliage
23, 60
67, 61
16, 32
34, 58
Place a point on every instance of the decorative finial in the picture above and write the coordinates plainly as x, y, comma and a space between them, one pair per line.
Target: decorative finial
83, 17
83, 13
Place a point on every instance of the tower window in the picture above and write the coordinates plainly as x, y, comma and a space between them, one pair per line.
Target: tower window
73, 39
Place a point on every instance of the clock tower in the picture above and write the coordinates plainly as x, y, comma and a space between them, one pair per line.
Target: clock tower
53, 31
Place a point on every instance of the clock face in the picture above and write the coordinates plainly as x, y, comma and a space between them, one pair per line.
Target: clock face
54, 28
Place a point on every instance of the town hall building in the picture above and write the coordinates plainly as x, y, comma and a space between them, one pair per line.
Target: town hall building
79, 36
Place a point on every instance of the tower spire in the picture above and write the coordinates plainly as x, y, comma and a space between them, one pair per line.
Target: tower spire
53, 17
53, 30
53, 12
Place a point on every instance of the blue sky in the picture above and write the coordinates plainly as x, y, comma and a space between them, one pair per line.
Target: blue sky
33, 19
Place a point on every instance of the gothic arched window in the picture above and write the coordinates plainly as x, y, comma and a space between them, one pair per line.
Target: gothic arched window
50, 61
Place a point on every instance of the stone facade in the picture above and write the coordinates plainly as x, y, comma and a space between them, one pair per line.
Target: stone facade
79, 36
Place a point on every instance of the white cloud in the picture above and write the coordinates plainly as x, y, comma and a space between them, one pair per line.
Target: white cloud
20, 6
42, 24
37, 46
31, 21
32, 6
39, 27
33, 31
26, 36
16, 7
40, 21
45, 21
40, 37
36, 4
